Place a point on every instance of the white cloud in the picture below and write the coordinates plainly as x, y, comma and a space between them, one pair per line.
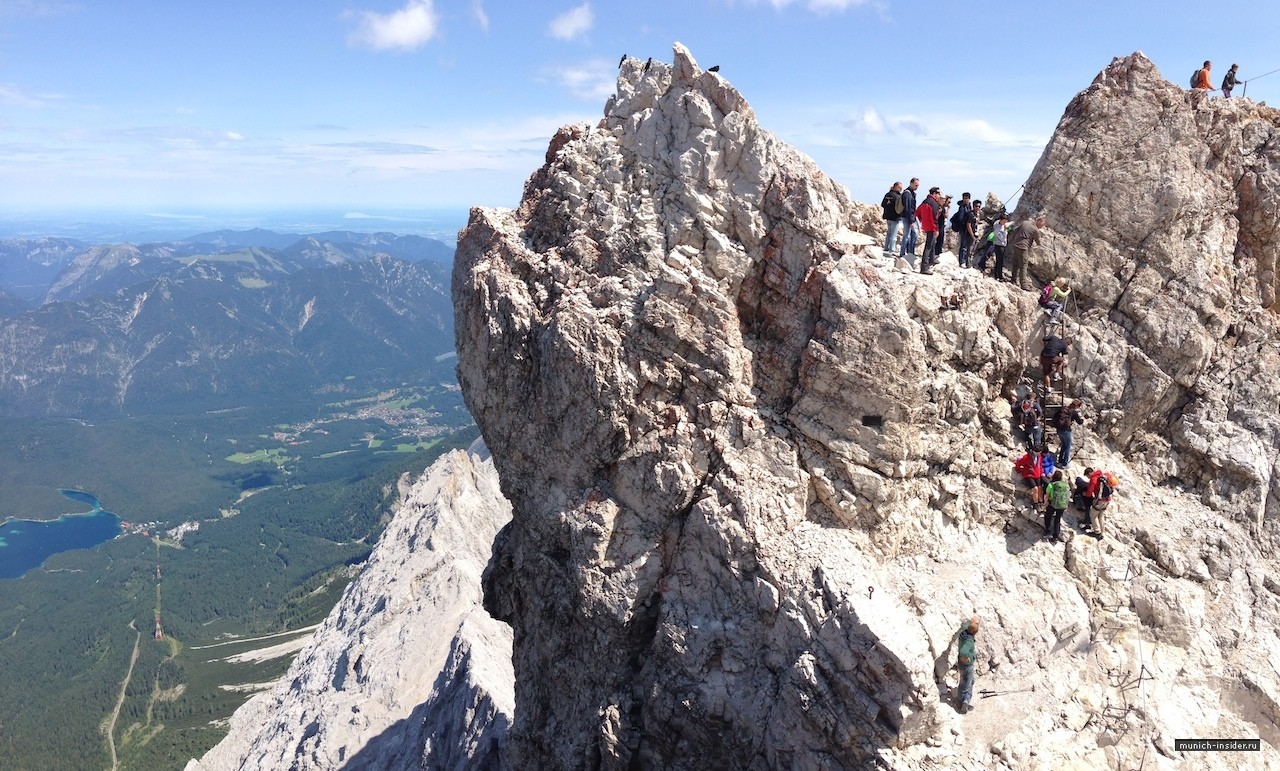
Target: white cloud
571, 23
482, 18
13, 96
592, 80
823, 6
866, 123
404, 30
234, 136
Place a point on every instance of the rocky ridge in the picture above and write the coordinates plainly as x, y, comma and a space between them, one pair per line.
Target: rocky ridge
759, 477
408, 671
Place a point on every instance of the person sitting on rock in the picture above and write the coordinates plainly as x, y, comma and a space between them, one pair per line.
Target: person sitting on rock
966, 657
1035, 467
1053, 357
1059, 493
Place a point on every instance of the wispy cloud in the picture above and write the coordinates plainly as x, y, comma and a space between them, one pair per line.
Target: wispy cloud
477, 12
34, 8
869, 122
404, 30
13, 96
572, 23
824, 6
592, 80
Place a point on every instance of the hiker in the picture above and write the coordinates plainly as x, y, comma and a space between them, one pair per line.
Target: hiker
1084, 501
1102, 486
962, 223
967, 655
1229, 81
928, 213
1035, 467
1030, 415
1024, 237
909, 224
1059, 493
940, 243
1063, 423
1053, 298
1202, 82
892, 214
999, 238
1053, 357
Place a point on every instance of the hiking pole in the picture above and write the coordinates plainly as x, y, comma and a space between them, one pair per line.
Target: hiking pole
986, 694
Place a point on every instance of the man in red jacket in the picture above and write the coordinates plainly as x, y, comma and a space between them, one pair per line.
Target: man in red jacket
927, 213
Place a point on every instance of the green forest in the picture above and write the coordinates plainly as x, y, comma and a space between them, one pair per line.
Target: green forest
277, 539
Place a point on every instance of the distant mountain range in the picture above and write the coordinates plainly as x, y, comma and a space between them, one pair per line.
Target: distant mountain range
220, 320
39, 270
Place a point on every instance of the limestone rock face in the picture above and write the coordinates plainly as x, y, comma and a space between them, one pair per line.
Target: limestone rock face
759, 478
1162, 206
408, 671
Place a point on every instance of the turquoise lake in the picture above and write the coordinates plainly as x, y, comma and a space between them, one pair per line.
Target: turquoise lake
27, 543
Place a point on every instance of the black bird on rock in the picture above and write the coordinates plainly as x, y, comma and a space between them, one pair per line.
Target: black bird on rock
620, 61
716, 68
646, 66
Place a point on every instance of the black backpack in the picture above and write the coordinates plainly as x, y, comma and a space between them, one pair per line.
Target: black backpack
958, 219
1195, 78
1102, 496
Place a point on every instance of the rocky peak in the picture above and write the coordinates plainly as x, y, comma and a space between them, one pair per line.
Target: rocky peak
759, 476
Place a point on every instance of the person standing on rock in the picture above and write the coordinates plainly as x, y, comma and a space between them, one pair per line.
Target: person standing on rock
1229, 81
1059, 494
1203, 82
910, 226
999, 241
1084, 497
966, 657
1063, 423
1030, 419
1025, 236
927, 213
940, 243
963, 224
892, 214
1035, 467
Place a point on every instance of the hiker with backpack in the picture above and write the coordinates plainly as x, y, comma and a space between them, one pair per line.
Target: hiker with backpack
1058, 493
1053, 298
1053, 357
928, 213
1084, 501
892, 209
997, 240
909, 224
1102, 486
1030, 416
966, 657
962, 222
1025, 236
1229, 81
1063, 423
1200, 78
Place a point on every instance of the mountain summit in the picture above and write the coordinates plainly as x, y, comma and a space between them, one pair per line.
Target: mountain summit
759, 477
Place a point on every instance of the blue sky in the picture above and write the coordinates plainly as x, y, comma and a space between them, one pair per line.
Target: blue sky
178, 107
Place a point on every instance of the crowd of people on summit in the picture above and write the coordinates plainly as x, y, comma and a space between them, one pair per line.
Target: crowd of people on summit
981, 236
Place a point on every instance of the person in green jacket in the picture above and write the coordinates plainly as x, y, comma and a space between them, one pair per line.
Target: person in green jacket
967, 655
1059, 493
